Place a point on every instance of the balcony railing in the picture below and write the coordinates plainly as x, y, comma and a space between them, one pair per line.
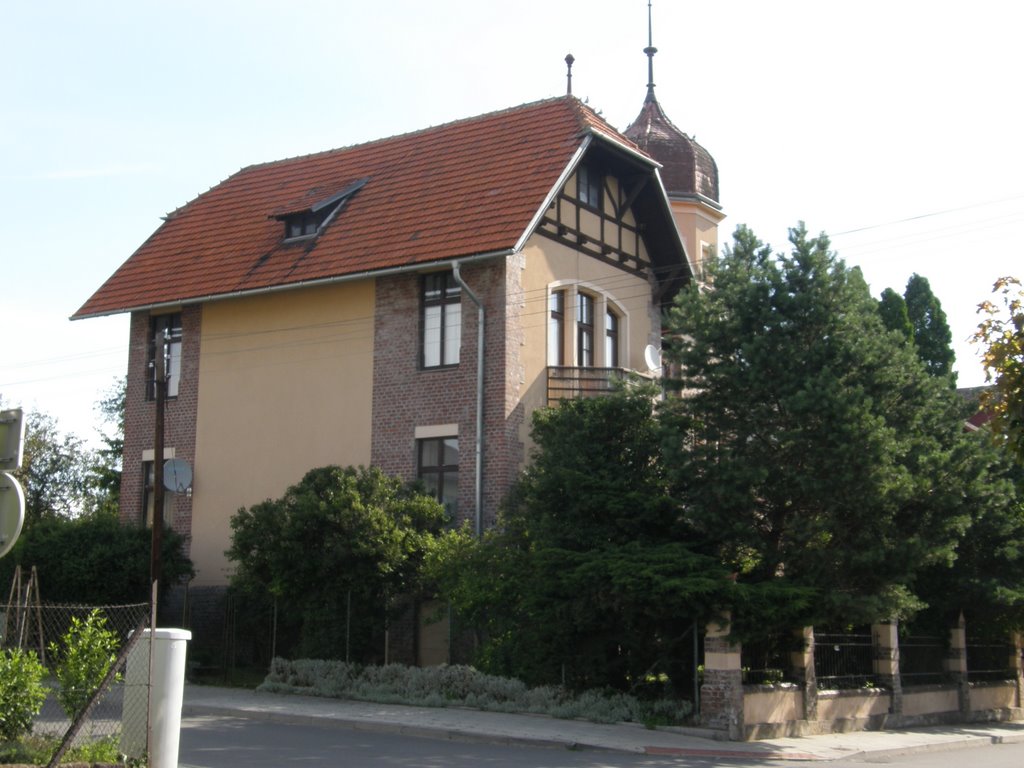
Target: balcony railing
566, 382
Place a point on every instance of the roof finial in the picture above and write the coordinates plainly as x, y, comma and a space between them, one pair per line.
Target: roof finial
568, 74
650, 50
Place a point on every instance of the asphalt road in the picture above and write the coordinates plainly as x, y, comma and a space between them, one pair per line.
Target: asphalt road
223, 742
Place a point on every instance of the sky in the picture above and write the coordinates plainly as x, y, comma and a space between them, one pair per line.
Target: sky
894, 127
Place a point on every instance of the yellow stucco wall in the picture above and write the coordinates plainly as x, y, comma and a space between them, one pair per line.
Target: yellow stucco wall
292, 372
549, 265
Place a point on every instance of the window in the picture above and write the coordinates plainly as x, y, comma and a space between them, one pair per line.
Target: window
165, 333
308, 222
442, 320
556, 328
584, 330
148, 497
305, 224
611, 340
588, 186
438, 463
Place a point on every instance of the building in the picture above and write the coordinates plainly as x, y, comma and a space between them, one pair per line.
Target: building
327, 309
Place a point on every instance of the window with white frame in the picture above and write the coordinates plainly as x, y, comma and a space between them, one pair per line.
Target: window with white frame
556, 328
584, 330
165, 333
442, 320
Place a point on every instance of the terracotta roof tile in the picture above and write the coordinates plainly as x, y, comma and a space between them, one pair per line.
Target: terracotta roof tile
459, 189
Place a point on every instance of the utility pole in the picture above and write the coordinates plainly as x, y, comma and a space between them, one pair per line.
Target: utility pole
160, 385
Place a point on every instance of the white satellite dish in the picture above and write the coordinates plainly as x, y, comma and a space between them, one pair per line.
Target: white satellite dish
652, 357
177, 475
12, 512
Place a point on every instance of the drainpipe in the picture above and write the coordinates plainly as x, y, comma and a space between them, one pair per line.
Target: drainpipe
479, 489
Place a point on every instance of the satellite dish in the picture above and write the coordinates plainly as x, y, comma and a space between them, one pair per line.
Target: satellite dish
12, 512
652, 357
177, 475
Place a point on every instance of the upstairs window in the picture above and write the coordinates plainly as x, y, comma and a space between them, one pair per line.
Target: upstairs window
588, 186
611, 340
584, 330
441, 320
556, 328
164, 333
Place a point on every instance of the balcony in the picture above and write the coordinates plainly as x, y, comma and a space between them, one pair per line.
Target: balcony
567, 382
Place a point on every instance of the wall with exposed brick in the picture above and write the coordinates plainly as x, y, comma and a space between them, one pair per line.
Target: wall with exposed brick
406, 396
179, 418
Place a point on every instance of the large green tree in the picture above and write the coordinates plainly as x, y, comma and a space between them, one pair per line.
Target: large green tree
932, 337
1001, 332
341, 542
592, 576
808, 444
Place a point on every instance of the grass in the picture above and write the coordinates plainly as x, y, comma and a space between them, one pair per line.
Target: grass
37, 750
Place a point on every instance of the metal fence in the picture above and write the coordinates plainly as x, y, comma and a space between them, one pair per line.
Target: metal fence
766, 661
923, 660
95, 727
844, 659
988, 660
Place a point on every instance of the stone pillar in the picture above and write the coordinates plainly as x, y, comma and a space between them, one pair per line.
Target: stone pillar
721, 695
1016, 665
886, 664
802, 662
956, 663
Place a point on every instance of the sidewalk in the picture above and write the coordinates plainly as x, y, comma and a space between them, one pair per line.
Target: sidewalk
537, 730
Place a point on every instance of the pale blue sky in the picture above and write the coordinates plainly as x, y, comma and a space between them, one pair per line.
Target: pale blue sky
845, 115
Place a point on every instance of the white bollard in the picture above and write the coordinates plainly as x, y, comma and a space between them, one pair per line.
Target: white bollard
165, 698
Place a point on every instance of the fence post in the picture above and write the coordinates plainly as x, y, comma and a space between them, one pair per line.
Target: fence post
721, 695
802, 662
956, 663
886, 663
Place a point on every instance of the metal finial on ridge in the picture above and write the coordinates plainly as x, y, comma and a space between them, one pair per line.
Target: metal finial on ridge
568, 74
650, 50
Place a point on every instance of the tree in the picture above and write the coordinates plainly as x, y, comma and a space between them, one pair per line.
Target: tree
93, 559
590, 578
1001, 331
932, 336
809, 445
53, 470
369, 534
893, 308
103, 478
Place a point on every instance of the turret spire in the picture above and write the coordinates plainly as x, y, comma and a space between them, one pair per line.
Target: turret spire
650, 50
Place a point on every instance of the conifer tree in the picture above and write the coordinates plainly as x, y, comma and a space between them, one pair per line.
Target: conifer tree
932, 336
808, 444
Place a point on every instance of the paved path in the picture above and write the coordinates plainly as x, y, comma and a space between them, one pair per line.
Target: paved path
537, 730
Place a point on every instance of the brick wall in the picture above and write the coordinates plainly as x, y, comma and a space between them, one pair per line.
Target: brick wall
179, 418
406, 396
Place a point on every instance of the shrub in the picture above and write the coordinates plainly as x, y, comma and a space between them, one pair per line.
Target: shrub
21, 692
463, 686
89, 649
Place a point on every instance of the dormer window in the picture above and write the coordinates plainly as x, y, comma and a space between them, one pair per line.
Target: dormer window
305, 224
309, 222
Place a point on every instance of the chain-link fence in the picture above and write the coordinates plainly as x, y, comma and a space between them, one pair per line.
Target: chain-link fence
89, 703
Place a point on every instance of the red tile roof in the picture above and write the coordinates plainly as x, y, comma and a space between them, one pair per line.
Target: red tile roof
456, 190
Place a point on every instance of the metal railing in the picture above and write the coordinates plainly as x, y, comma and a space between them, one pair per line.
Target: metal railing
844, 660
568, 382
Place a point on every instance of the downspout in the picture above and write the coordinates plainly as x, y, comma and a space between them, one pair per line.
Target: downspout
479, 489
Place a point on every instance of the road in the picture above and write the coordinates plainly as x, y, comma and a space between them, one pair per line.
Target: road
226, 742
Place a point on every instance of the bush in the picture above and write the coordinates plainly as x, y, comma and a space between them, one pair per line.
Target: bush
463, 686
89, 649
21, 692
